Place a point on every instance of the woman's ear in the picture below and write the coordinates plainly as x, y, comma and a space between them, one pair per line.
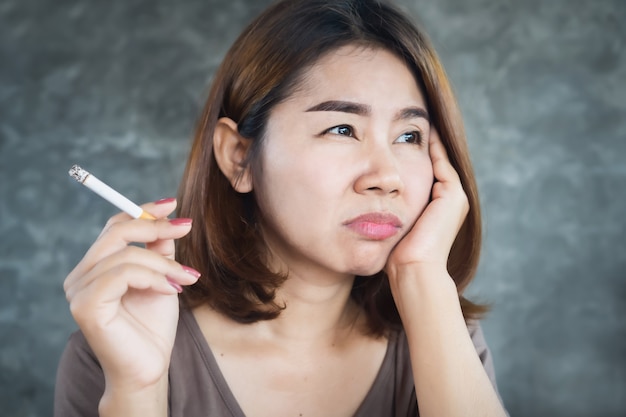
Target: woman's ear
231, 149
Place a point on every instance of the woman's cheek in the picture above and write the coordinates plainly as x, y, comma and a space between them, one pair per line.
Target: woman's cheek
420, 190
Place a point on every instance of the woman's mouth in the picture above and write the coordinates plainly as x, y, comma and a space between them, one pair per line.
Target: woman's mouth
375, 226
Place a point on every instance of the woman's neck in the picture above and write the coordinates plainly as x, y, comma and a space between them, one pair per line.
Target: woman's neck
316, 315
313, 311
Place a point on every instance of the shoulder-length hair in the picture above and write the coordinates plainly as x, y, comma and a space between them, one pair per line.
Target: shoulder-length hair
262, 68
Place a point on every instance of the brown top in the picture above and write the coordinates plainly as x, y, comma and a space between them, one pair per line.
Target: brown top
197, 387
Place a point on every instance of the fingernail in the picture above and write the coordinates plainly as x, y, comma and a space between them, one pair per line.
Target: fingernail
183, 221
165, 200
175, 285
191, 271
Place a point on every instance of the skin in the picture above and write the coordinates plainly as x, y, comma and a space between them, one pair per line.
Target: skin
318, 176
334, 165
120, 292
330, 167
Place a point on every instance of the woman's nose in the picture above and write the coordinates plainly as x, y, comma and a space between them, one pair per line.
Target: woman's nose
381, 173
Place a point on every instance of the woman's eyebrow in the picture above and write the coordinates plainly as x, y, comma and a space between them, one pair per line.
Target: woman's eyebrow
342, 106
413, 113
366, 110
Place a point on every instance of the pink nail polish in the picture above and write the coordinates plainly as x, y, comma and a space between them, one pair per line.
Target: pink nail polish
181, 221
191, 271
175, 285
165, 200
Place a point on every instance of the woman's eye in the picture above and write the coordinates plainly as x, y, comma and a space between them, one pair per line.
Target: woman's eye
410, 137
343, 130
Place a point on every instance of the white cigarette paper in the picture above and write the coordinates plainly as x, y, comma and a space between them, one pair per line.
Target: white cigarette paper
108, 193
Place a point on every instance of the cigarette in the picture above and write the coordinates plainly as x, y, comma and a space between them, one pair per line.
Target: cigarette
108, 193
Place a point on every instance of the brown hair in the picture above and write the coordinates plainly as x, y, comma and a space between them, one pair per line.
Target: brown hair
261, 69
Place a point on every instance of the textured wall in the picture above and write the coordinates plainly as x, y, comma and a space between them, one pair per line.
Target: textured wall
116, 86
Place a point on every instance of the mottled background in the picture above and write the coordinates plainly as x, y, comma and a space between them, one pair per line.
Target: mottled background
117, 85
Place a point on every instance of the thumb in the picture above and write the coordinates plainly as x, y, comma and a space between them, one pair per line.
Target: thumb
160, 208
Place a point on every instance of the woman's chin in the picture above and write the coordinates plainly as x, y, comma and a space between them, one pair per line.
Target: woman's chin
369, 268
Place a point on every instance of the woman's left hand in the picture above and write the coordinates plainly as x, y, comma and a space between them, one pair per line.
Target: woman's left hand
429, 241
443, 357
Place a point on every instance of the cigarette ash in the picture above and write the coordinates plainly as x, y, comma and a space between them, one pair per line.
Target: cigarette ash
78, 173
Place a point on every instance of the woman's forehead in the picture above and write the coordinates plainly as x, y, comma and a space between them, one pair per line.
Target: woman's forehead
355, 69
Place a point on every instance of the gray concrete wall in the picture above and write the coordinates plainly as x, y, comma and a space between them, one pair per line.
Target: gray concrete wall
116, 86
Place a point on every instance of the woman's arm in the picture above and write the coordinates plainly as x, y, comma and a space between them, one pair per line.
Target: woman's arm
80, 385
124, 299
148, 401
449, 377
79, 380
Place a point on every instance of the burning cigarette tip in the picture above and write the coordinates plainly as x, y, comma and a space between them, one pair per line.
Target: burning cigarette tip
78, 173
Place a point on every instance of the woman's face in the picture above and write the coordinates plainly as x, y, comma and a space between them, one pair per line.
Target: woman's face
345, 165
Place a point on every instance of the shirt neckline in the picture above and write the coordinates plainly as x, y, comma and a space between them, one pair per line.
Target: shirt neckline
227, 395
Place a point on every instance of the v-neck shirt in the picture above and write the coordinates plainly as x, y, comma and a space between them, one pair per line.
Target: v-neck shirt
197, 387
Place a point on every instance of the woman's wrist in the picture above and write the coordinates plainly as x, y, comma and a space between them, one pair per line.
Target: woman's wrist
420, 279
122, 401
423, 290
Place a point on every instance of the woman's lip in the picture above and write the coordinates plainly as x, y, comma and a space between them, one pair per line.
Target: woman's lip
375, 226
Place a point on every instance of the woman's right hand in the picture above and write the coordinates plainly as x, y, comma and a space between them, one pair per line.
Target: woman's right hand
125, 298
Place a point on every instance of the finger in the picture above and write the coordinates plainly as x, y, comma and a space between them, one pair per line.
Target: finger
159, 209
448, 180
164, 247
149, 259
132, 255
442, 168
89, 305
120, 234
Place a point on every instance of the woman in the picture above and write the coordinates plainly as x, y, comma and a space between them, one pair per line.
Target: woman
328, 223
